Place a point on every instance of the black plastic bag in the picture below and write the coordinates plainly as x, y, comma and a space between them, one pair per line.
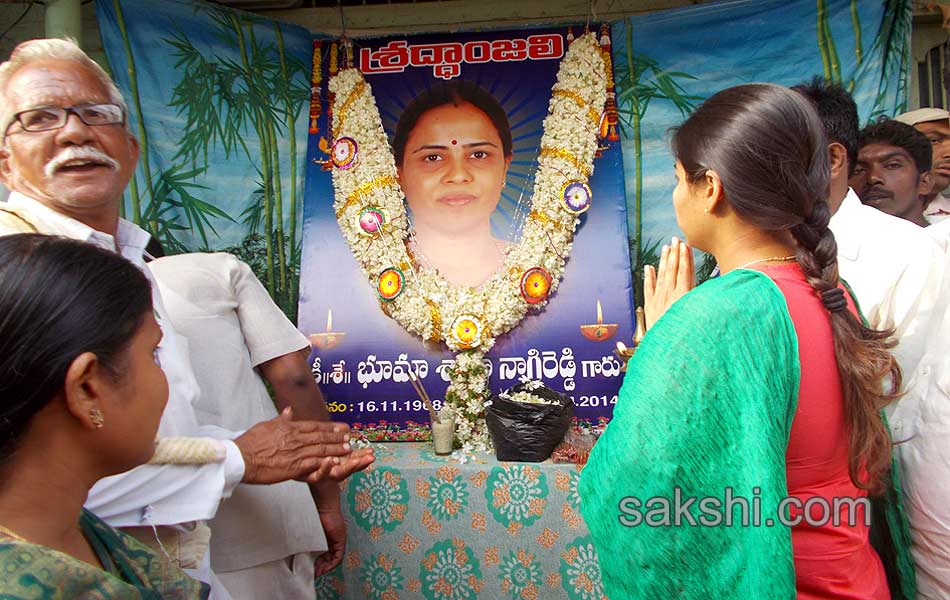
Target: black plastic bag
527, 432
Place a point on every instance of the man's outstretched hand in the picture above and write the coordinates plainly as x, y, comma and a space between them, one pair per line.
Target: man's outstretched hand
282, 449
355, 461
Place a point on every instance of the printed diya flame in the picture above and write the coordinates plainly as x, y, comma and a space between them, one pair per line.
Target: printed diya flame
599, 331
328, 340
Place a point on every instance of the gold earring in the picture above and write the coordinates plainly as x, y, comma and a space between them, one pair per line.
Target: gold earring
706, 210
95, 415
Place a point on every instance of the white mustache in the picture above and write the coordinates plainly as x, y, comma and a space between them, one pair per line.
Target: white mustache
79, 153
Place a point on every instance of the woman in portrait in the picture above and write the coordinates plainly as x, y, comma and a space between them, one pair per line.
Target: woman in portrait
452, 148
81, 397
762, 386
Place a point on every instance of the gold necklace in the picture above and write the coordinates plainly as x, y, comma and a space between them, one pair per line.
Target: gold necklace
769, 259
12, 534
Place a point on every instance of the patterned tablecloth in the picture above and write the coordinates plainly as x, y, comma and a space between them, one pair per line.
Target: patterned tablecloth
426, 526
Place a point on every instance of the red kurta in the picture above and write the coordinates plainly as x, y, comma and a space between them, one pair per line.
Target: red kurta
831, 561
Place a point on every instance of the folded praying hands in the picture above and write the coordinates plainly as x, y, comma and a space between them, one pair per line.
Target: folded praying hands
664, 286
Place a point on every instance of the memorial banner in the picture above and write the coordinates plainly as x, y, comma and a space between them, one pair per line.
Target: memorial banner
221, 102
362, 357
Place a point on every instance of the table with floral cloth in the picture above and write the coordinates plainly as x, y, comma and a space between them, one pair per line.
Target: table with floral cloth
427, 526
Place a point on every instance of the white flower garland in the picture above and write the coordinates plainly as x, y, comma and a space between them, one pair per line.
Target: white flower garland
465, 397
370, 211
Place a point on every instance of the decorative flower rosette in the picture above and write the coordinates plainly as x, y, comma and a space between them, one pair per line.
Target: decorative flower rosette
366, 188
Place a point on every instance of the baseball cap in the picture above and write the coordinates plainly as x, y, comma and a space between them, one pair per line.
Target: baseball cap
923, 115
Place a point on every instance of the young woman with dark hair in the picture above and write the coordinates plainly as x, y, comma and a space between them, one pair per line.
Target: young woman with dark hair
762, 386
452, 148
81, 397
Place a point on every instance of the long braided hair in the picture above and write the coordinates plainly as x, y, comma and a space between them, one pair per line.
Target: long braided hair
768, 147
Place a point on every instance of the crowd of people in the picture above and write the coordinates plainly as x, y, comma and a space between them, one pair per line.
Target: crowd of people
813, 369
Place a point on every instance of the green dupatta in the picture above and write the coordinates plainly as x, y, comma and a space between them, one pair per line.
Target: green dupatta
708, 402
134, 571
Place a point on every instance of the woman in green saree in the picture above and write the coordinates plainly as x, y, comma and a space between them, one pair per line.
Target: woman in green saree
748, 435
81, 396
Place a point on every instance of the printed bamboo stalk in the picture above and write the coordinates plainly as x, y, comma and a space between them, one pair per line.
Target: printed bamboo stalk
292, 133
637, 149
266, 172
140, 121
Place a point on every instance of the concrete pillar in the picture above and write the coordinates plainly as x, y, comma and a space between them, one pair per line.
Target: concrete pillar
64, 18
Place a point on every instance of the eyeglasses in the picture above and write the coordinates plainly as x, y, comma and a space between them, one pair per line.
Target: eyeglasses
47, 119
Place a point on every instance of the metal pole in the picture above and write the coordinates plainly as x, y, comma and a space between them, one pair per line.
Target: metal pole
64, 18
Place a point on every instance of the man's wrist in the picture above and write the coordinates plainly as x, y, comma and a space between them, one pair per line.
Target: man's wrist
326, 495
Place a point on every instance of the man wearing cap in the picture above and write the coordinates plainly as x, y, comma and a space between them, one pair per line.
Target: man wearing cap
935, 124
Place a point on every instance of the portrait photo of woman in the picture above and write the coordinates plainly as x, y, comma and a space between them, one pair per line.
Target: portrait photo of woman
453, 148
424, 225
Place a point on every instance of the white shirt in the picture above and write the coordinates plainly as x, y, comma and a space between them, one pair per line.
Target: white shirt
940, 233
897, 273
939, 209
151, 494
921, 422
233, 326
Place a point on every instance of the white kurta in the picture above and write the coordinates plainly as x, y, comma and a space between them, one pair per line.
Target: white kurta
900, 277
940, 233
233, 326
896, 272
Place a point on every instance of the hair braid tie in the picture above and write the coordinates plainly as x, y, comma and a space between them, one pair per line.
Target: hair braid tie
834, 300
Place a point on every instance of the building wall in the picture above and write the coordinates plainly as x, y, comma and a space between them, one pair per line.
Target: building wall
33, 25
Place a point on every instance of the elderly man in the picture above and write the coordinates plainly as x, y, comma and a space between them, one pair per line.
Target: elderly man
67, 156
894, 163
935, 124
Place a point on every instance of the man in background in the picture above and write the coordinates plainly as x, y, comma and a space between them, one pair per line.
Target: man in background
264, 539
894, 160
935, 124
